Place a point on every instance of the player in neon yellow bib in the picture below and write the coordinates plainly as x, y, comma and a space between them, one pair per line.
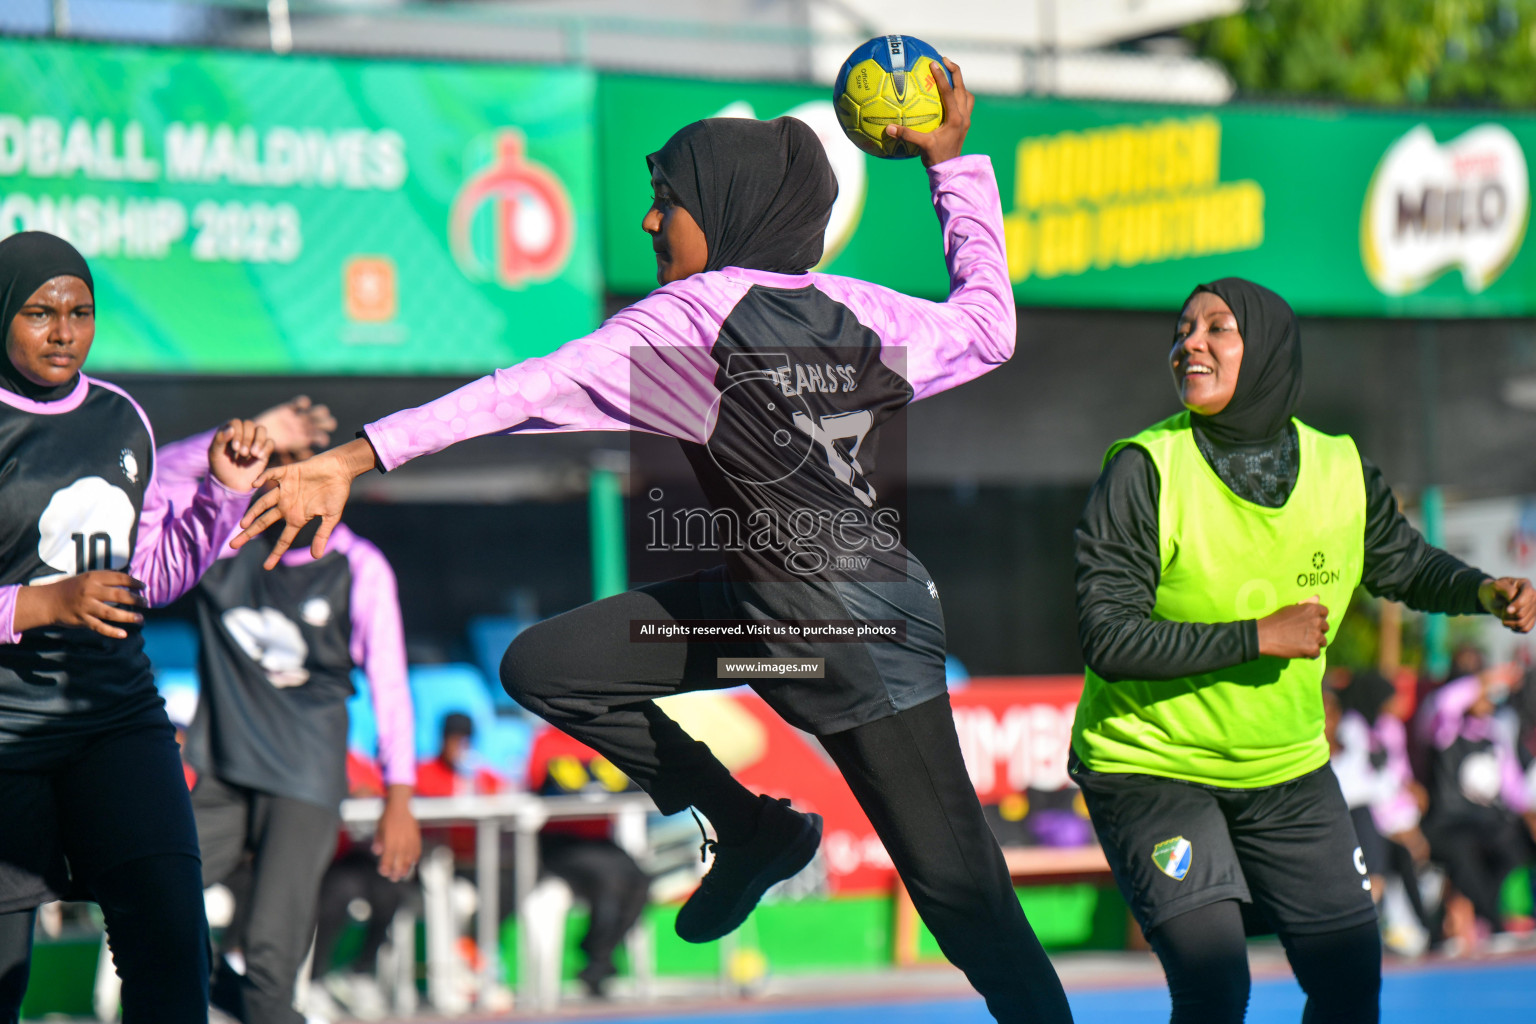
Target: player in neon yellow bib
1209, 555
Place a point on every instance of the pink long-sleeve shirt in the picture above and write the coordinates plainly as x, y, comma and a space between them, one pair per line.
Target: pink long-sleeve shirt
650, 367
377, 639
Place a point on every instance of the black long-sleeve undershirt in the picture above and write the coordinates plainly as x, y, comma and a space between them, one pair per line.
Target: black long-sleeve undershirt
1118, 567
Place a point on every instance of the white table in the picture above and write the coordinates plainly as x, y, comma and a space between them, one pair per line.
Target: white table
522, 814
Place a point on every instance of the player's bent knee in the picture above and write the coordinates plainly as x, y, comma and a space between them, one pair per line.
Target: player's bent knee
521, 674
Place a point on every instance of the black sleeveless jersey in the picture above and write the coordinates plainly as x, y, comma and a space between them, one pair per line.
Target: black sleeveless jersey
72, 488
1465, 784
276, 668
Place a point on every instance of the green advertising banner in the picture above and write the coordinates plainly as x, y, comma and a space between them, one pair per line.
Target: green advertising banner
251, 213
1123, 205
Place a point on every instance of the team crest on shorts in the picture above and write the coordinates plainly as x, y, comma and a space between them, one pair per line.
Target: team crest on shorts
1172, 857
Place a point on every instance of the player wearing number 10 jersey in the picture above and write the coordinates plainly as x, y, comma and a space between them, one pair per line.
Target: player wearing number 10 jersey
92, 798
775, 378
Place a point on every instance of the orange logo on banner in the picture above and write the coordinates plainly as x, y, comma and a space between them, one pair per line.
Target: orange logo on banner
369, 288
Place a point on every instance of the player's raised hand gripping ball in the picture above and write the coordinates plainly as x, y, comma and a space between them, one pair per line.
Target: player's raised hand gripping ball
890, 80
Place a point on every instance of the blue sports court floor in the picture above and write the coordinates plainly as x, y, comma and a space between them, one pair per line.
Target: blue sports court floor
1488, 992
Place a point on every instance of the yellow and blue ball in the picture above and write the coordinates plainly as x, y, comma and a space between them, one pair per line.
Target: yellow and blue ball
889, 80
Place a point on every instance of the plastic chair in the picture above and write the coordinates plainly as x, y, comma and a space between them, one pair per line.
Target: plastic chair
176, 679
179, 688
956, 677
362, 726
170, 643
440, 690
546, 911
489, 636
448, 983
506, 747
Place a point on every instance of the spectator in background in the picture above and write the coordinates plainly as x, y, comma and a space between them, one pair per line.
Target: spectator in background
1523, 705
269, 741
1466, 660
1480, 823
1370, 757
582, 853
579, 853
454, 771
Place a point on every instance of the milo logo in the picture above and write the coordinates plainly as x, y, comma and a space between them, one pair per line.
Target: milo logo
1432, 207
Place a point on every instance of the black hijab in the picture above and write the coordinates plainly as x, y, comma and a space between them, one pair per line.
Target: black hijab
1367, 692
28, 261
1269, 379
762, 191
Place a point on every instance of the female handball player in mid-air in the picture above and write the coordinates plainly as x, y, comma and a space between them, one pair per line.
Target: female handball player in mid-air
775, 379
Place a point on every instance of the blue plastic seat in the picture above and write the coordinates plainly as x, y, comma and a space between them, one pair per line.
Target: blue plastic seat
170, 643
501, 742
362, 725
179, 688
507, 746
489, 636
439, 690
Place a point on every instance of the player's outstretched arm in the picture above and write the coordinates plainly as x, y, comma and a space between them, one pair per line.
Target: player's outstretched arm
315, 488
947, 140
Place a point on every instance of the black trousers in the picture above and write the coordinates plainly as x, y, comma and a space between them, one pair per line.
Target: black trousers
288, 843
1478, 855
117, 809
355, 876
608, 879
579, 672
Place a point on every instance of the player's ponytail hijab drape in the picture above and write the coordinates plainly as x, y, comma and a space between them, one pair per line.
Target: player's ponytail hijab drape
28, 261
761, 191
1269, 378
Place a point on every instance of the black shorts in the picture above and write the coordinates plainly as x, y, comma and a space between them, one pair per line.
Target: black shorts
107, 800
1289, 850
1373, 845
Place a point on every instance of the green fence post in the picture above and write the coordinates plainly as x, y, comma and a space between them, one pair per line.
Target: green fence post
605, 512
1437, 656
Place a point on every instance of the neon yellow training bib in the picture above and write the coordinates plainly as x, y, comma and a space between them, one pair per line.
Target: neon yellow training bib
1225, 559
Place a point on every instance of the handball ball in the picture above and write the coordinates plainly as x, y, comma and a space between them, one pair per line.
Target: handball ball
889, 80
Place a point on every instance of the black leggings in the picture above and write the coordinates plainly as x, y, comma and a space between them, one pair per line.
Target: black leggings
117, 808
157, 933
608, 879
1479, 855
1205, 956
579, 672
355, 876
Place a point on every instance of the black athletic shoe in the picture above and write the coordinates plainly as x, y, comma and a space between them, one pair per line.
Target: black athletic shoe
594, 978
785, 842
